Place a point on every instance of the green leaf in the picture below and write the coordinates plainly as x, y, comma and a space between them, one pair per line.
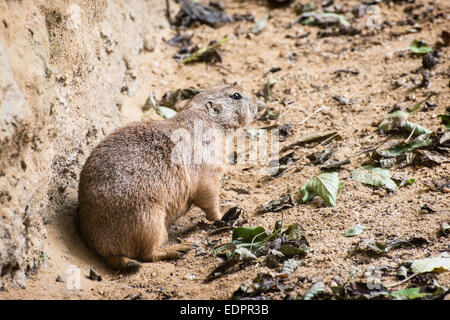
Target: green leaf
325, 185
42, 258
407, 181
290, 250
420, 47
308, 21
224, 250
410, 293
250, 234
417, 129
356, 230
315, 289
201, 51
445, 119
293, 231
260, 24
423, 140
377, 177
436, 264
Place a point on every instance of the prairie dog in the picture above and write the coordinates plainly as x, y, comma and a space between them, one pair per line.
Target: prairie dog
141, 178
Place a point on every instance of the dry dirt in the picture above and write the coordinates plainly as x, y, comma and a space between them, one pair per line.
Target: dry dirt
380, 57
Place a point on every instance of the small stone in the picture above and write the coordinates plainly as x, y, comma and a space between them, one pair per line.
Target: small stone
402, 272
20, 279
429, 106
399, 83
134, 296
425, 79
431, 59
59, 279
132, 88
149, 43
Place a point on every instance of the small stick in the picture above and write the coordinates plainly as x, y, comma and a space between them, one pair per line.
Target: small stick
168, 12
400, 282
412, 132
374, 147
308, 117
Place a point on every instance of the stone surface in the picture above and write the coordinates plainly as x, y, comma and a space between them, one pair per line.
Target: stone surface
62, 71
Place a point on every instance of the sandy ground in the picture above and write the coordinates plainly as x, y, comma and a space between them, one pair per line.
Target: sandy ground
308, 81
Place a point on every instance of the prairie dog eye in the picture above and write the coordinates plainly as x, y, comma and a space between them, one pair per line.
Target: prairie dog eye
236, 96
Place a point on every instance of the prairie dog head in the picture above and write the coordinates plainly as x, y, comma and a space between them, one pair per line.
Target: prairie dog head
228, 106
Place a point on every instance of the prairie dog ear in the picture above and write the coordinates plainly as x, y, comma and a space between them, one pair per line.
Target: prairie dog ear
213, 109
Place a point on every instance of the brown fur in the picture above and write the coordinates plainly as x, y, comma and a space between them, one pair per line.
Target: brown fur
130, 189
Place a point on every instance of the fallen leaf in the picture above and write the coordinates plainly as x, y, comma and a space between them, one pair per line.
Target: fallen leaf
442, 184
420, 47
191, 12
166, 113
325, 185
260, 24
285, 202
421, 141
171, 98
362, 291
354, 231
436, 264
376, 248
323, 156
332, 164
267, 89
262, 284
398, 121
316, 289
249, 235
406, 181
289, 266
150, 103
445, 120
427, 208
374, 176
322, 19
432, 157
316, 137
196, 56
445, 229
409, 294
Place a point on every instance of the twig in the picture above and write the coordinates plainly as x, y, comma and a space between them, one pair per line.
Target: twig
326, 140
222, 67
308, 117
168, 12
374, 146
411, 134
400, 282
220, 230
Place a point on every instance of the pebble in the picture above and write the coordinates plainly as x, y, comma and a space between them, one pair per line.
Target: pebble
149, 43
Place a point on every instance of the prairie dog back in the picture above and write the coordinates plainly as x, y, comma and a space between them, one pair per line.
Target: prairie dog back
131, 187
